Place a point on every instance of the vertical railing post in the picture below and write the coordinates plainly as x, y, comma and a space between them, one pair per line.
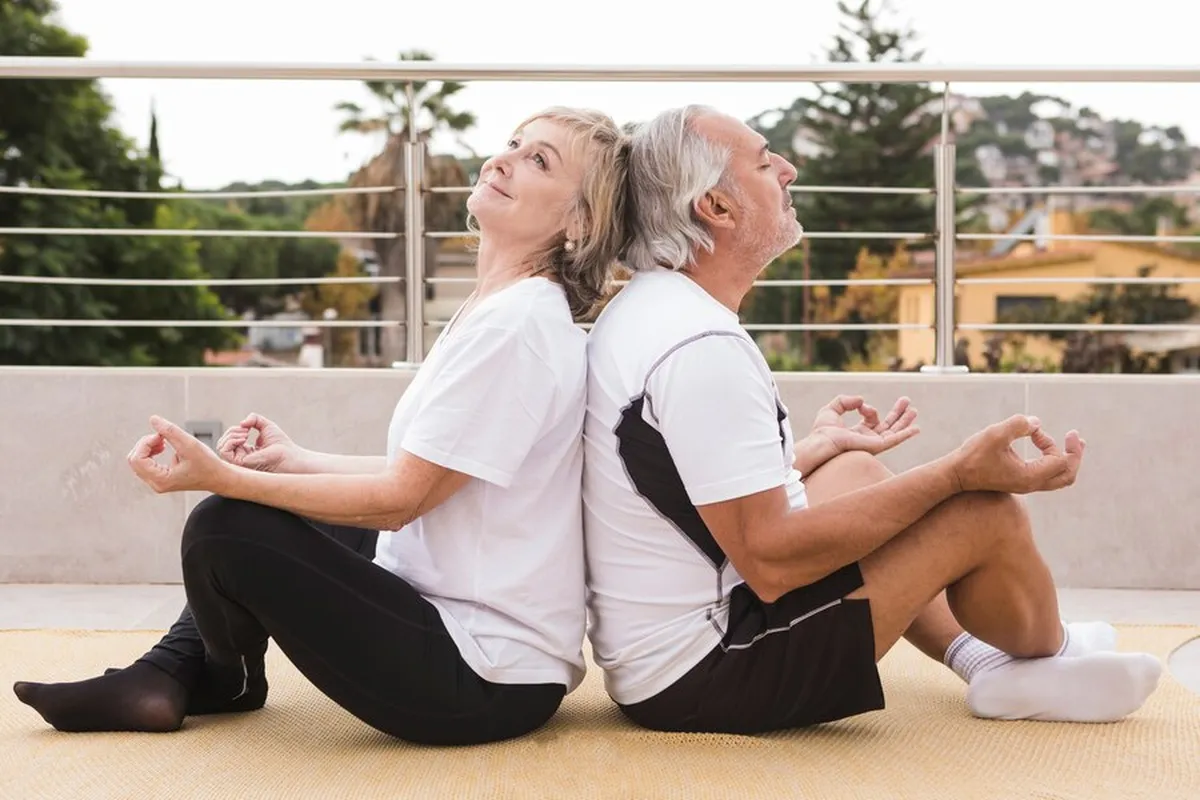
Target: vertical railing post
414, 238
943, 160
944, 169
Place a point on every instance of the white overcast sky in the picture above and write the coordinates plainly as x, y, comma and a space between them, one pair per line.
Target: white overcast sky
215, 132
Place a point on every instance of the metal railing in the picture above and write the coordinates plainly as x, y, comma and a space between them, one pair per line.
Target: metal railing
944, 190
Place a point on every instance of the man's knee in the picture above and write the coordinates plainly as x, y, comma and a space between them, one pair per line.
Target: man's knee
1001, 518
857, 467
843, 474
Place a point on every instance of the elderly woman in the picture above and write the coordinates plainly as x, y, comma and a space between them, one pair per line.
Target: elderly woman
462, 620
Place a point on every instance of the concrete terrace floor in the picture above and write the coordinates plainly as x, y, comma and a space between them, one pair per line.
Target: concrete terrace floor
156, 606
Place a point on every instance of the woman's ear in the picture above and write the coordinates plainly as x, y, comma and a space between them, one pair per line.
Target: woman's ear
574, 229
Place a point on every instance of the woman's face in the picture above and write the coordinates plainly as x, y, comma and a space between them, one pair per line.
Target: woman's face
527, 193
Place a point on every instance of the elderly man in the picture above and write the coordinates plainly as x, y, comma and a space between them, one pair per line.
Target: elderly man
743, 582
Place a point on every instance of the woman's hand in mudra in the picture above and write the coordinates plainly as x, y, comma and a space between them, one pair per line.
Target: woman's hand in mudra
272, 451
193, 466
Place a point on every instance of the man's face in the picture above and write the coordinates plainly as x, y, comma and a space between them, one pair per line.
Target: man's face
757, 181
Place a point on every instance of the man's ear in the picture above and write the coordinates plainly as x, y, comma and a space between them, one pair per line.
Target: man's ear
715, 209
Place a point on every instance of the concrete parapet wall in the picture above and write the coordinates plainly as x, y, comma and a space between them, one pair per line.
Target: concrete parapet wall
72, 512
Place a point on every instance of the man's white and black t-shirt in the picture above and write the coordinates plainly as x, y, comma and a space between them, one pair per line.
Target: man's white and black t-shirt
683, 411
501, 398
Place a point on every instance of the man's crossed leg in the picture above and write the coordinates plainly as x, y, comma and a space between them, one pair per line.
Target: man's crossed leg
972, 563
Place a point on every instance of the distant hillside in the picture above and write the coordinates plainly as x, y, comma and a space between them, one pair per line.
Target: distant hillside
1029, 139
1035, 140
292, 209
1042, 139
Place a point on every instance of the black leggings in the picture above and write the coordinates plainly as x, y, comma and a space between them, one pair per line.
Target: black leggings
359, 633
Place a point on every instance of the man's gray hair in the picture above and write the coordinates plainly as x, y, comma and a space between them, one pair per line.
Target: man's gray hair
671, 166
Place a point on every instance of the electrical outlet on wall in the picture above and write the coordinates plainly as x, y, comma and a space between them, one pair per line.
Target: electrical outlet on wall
207, 431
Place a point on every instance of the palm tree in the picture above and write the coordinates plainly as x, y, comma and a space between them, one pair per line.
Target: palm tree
431, 99
385, 212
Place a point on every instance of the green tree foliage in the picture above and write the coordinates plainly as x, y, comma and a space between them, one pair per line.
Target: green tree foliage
869, 134
862, 134
258, 258
56, 133
1142, 220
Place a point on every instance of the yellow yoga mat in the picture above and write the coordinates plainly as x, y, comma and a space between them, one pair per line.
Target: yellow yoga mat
924, 745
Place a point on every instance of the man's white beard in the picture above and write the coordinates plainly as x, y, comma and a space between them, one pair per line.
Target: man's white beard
769, 245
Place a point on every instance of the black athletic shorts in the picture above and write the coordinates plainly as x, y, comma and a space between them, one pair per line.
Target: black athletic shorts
807, 658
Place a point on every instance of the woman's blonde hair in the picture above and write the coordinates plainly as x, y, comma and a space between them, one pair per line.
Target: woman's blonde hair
586, 269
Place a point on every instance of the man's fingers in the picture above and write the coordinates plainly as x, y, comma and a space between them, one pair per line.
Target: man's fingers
1048, 472
845, 402
1066, 475
897, 437
906, 419
1044, 442
1074, 452
1056, 470
1017, 427
870, 416
897, 413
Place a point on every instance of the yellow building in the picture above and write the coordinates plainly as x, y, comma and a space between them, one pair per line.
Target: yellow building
982, 303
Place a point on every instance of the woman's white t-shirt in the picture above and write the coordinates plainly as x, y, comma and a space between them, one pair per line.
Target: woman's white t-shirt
501, 398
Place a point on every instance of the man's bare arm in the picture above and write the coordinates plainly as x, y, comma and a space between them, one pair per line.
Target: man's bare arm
776, 549
813, 451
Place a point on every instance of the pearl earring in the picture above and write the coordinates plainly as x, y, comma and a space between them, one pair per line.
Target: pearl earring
569, 246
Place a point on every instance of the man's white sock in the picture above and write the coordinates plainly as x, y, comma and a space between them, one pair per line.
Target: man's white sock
1097, 687
969, 656
1084, 682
